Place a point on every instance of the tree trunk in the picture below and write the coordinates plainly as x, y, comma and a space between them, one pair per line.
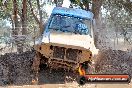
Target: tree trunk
86, 4
12, 22
35, 17
55, 1
24, 17
40, 16
96, 9
17, 26
15, 31
24, 23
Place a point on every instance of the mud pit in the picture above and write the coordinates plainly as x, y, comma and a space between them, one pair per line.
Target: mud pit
16, 68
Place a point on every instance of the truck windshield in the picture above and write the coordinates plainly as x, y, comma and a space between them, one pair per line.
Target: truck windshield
70, 24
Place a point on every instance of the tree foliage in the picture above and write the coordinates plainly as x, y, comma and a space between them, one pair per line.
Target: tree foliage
23, 15
118, 13
27, 15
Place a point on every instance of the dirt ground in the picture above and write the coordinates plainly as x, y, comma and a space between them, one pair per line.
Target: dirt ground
56, 78
70, 85
15, 71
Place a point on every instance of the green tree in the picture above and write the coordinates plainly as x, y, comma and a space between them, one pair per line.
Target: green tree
23, 16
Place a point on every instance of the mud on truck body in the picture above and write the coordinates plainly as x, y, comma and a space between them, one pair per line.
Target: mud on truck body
67, 40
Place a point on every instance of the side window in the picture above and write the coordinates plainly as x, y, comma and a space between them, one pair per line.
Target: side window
55, 23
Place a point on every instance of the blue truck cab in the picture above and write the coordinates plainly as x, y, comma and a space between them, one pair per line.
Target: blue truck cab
68, 38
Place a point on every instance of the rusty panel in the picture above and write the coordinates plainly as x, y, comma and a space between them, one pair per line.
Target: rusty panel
44, 49
85, 56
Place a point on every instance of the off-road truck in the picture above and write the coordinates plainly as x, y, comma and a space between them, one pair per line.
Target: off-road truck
67, 40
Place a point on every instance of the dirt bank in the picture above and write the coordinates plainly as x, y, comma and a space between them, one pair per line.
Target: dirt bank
114, 62
16, 68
